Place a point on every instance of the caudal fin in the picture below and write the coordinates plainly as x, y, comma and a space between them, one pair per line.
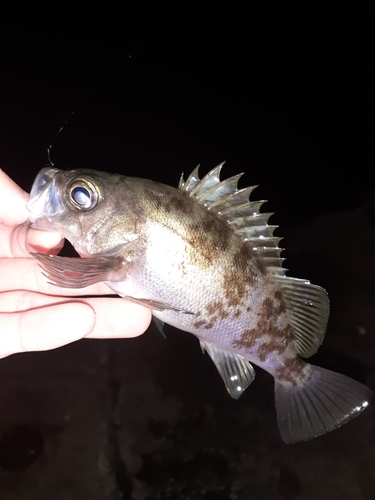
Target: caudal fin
325, 401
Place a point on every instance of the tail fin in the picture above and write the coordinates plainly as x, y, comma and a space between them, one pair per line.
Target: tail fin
325, 401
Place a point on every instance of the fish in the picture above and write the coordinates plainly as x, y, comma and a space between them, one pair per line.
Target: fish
203, 257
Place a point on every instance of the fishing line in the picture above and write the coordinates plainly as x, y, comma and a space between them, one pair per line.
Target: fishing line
79, 106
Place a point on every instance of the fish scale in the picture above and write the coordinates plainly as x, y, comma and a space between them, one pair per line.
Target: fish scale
204, 258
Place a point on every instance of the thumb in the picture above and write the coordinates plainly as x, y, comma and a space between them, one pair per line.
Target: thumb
45, 328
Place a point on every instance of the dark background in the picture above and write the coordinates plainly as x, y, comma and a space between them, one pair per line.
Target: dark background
283, 91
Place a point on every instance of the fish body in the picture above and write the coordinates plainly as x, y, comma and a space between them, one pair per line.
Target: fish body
205, 260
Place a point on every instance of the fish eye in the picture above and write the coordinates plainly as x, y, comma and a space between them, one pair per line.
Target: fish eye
83, 194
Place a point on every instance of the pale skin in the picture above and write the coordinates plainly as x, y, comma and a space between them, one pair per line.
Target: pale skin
36, 316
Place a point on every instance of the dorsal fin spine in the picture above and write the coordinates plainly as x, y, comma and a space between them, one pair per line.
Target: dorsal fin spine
232, 205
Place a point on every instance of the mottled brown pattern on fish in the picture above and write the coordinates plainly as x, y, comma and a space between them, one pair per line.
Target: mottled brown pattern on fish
174, 203
267, 335
153, 198
206, 324
206, 242
199, 324
272, 308
214, 312
217, 309
162, 201
211, 238
182, 267
240, 273
291, 371
268, 309
169, 204
247, 340
279, 298
214, 246
212, 307
277, 343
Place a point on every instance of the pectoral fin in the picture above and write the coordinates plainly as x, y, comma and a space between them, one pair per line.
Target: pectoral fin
236, 372
157, 305
75, 272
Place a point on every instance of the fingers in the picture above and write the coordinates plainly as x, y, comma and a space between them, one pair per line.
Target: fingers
12, 240
12, 201
118, 318
45, 322
45, 328
19, 241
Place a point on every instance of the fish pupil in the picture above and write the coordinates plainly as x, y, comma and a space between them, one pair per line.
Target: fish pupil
81, 195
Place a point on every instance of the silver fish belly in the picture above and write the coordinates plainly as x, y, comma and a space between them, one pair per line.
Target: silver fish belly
205, 260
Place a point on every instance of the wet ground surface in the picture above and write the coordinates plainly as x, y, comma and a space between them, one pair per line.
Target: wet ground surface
149, 418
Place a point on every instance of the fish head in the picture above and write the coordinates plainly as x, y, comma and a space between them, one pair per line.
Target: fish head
83, 205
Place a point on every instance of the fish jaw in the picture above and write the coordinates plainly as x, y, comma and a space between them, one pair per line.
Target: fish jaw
44, 203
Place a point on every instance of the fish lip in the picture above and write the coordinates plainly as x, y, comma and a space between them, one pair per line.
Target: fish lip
44, 202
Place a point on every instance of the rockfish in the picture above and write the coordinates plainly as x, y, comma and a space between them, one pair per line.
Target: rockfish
204, 259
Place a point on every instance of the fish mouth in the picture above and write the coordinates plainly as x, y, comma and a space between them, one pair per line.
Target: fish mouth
44, 202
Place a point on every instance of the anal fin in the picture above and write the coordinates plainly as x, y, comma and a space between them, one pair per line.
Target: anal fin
159, 325
236, 372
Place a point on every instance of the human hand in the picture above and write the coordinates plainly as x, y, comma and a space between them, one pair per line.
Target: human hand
35, 315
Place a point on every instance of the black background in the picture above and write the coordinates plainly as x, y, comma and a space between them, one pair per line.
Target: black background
281, 90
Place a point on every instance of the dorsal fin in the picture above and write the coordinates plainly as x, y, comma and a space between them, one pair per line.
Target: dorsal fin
233, 205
